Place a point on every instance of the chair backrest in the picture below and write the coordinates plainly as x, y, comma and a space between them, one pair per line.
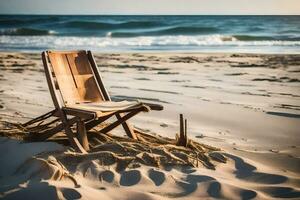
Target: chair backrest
71, 76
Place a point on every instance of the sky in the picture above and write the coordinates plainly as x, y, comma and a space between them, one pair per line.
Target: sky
165, 7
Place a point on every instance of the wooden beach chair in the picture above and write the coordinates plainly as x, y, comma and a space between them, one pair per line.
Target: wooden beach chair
80, 98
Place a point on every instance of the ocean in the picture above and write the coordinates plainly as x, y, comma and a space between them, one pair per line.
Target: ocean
253, 34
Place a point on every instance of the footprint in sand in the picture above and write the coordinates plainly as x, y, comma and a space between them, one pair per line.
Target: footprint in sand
281, 192
130, 178
188, 170
248, 172
156, 176
190, 185
107, 176
214, 189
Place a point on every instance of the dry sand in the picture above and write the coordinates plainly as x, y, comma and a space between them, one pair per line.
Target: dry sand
246, 104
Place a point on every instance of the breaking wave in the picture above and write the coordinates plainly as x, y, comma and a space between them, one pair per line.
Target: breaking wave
139, 42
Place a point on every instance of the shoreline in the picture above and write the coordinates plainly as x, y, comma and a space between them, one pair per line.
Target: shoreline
158, 52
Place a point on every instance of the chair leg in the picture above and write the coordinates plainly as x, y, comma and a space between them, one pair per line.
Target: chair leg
82, 135
73, 140
50, 132
40, 118
93, 123
127, 128
122, 120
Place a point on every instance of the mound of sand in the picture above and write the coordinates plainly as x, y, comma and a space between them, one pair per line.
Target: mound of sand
150, 150
47, 170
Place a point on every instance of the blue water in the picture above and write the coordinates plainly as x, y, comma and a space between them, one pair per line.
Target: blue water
263, 34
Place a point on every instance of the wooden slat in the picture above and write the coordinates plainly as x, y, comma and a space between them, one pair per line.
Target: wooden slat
98, 77
64, 78
50, 81
87, 87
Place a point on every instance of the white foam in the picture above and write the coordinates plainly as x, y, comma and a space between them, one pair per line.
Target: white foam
66, 42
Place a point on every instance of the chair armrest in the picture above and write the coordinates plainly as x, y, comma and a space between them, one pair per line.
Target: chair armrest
79, 113
154, 106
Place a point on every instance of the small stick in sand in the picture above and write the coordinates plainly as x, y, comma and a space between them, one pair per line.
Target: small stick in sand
182, 140
181, 127
185, 129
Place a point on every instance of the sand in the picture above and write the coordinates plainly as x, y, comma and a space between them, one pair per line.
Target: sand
247, 105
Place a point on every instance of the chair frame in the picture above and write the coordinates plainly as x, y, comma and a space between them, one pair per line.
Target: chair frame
84, 119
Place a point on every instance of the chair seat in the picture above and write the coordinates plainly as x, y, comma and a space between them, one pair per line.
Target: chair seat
104, 108
107, 106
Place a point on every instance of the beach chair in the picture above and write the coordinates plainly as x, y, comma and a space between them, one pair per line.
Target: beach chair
81, 100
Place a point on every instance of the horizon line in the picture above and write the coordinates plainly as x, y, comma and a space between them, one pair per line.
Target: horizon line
152, 14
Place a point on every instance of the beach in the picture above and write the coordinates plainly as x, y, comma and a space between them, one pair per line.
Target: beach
246, 105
